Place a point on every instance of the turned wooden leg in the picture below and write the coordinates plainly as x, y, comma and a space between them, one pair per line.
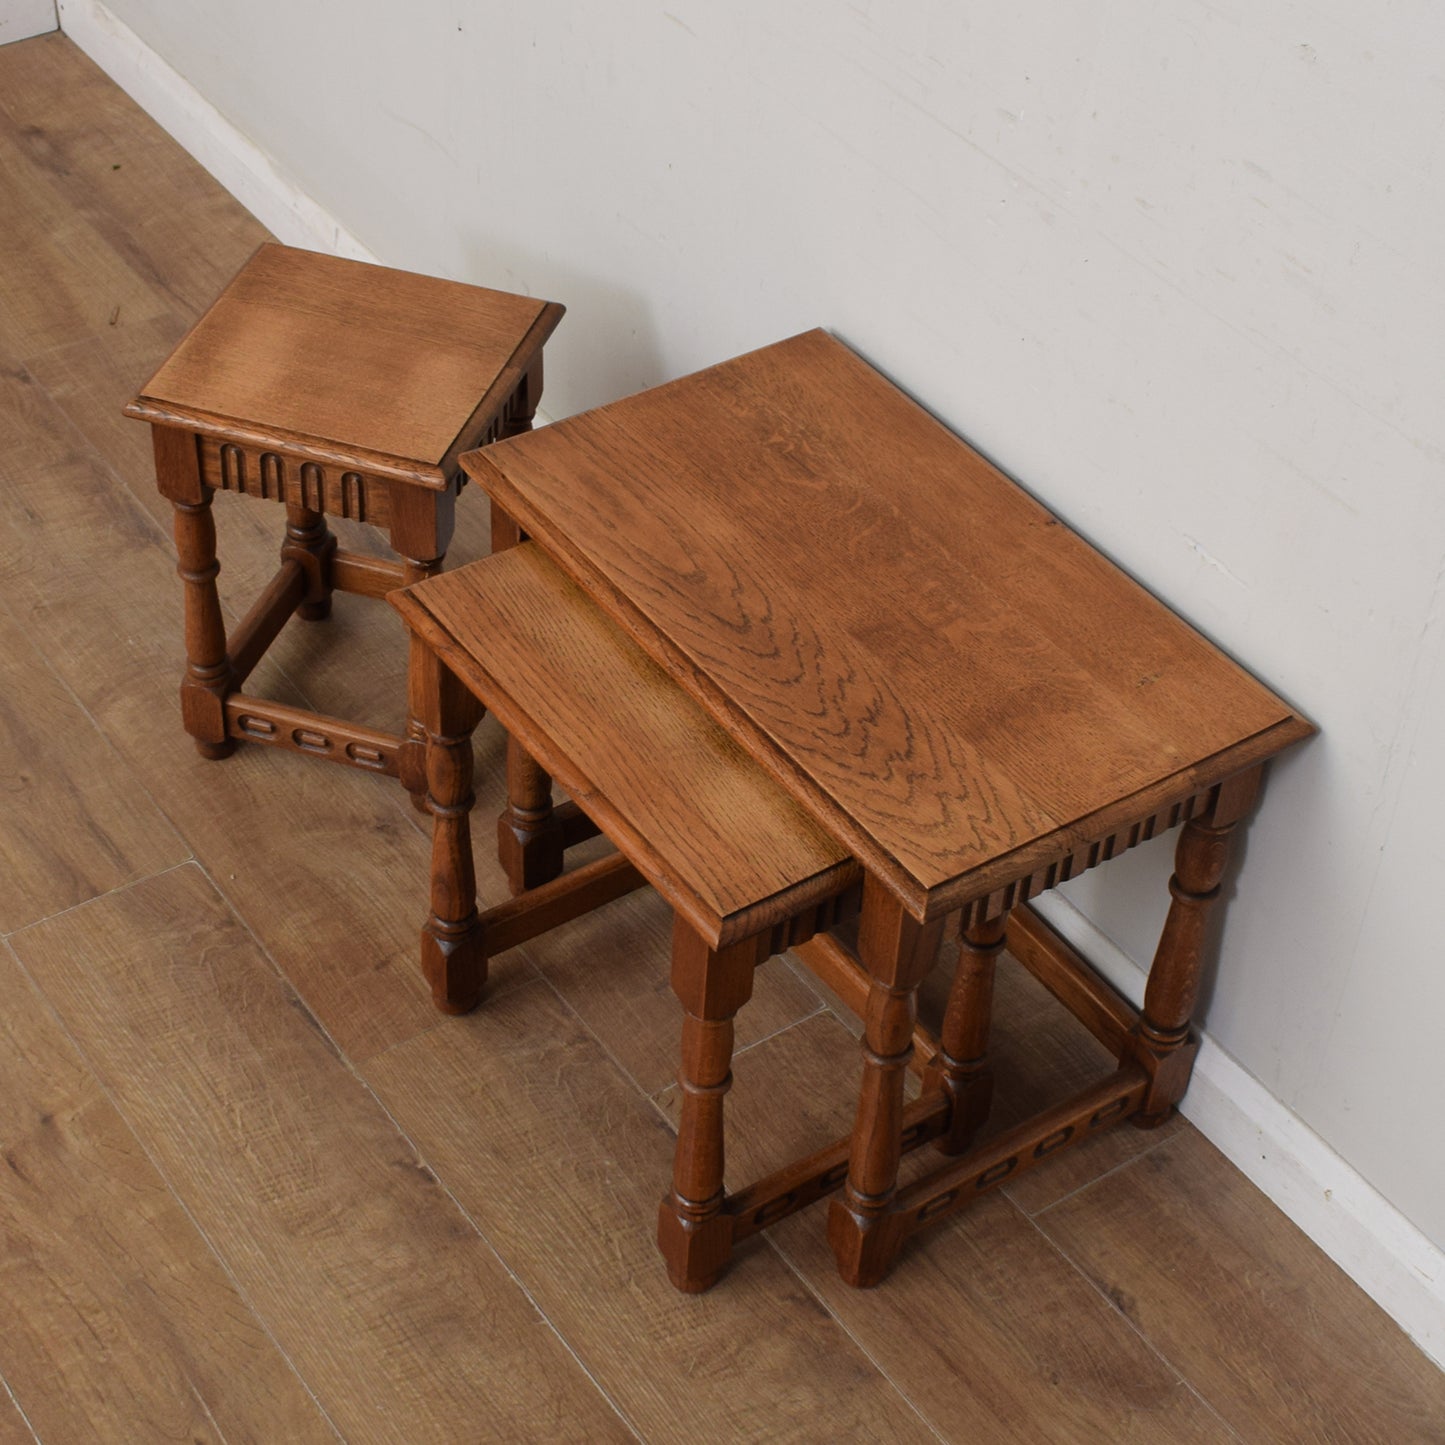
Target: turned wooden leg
961, 1068
1162, 1041
411, 759
453, 949
897, 951
422, 524
693, 1233
208, 670
208, 677
529, 836
310, 544
530, 843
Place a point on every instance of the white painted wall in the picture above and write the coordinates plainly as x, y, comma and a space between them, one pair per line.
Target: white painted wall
20, 19
1174, 264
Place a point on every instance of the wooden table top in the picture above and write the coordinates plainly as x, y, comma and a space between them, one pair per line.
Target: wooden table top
376, 363
718, 838
958, 685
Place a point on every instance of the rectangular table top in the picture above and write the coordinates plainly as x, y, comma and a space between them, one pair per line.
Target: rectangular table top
365, 360
957, 684
727, 847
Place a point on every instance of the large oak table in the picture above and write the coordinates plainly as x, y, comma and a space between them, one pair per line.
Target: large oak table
968, 696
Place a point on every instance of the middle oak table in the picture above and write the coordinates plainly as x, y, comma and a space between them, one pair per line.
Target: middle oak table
972, 700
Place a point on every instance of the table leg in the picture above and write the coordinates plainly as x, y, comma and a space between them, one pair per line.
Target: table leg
897, 951
961, 1068
693, 1232
522, 407
1162, 1041
453, 948
422, 524
530, 841
208, 680
309, 543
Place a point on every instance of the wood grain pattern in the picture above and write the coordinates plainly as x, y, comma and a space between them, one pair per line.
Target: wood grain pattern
1340, 1371
120, 1322
938, 666
292, 344
714, 835
390, 1303
563, 1175
74, 823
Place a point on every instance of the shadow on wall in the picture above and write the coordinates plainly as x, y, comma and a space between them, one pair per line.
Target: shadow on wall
606, 346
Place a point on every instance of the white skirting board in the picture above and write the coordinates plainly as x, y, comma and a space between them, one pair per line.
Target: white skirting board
1360, 1230
1386, 1255
178, 107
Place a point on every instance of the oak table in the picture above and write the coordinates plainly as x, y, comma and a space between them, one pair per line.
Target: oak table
335, 388
971, 699
748, 872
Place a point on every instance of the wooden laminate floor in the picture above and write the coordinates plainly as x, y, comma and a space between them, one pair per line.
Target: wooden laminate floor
254, 1188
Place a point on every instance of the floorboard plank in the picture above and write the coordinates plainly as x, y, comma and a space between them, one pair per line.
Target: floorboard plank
563, 1164
983, 1324
98, 155
394, 1309
74, 822
13, 1427
1254, 1315
121, 1324
58, 276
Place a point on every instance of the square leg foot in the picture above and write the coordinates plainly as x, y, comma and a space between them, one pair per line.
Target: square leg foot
456, 969
864, 1246
696, 1251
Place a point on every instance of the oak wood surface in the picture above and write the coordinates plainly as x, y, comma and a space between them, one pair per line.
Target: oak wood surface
715, 835
291, 345
391, 1304
955, 681
121, 1324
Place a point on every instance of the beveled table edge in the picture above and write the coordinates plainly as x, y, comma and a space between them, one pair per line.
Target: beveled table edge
920, 900
718, 930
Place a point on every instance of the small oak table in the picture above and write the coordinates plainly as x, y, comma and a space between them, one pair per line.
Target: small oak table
342, 389
971, 699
